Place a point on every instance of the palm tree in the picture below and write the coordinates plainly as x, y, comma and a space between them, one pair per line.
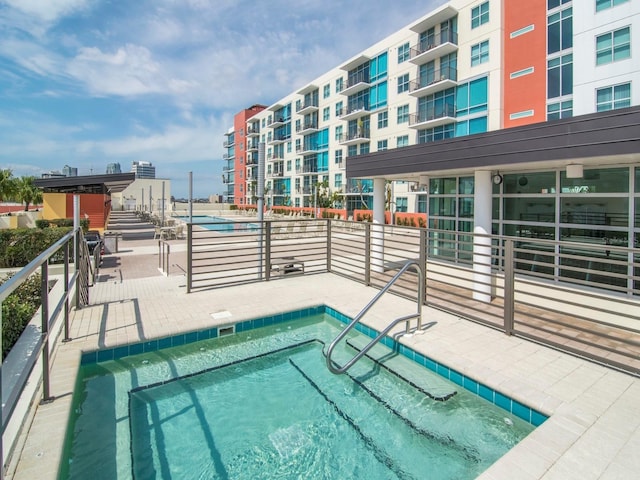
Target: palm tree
7, 184
27, 192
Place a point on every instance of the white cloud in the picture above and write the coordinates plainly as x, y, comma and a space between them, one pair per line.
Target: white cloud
47, 10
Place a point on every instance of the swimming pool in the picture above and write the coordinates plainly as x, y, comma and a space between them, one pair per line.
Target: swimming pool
261, 404
225, 225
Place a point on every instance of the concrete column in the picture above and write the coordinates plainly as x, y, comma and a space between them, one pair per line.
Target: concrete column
377, 231
482, 244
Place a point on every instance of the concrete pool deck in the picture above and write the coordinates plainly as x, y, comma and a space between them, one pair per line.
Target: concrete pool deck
593, 431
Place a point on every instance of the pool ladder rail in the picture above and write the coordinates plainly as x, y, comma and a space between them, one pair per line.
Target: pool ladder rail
333, 366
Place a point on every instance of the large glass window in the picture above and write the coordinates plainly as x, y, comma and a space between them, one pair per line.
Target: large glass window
403, 114
402, 141
480, 53
472, 97
437, 133
378, 96
613, 46
403, 83
560, 31
560, 76
604, 4
480, 15
601, 180
559, 110
403, 52
611, 98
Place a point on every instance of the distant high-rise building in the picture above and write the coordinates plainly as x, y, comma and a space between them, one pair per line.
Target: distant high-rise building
68, 171
143, 169
53, 174
113, 168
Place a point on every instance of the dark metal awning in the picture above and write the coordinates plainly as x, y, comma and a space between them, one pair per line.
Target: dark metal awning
105, 184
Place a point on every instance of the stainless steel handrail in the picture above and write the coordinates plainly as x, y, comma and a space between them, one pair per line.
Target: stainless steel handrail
332, 366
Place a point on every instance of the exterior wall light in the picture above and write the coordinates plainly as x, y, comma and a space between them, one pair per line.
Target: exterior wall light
574, 170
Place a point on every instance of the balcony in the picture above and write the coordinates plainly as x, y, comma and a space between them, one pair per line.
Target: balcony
228, 156
434, 47
278, 121
308, 107
354, 111
354, 138
307, 170
307, 127
307, 148
280, 192
228, 143
433, 82
275, 174
253, 132
356, 83
280, 138
252, 146
433, 117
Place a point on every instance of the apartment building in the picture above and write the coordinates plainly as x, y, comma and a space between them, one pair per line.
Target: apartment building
467, 69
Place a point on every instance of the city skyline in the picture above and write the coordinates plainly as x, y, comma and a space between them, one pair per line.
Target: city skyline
93, 83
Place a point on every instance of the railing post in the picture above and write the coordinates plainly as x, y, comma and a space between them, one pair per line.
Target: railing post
189, 253
423, 263
329, 245
66, 338
44, 310
509, 294
367, 253
267, 247
76, 258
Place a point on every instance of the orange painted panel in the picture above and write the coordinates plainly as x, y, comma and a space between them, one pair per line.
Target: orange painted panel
94, 206
528, 92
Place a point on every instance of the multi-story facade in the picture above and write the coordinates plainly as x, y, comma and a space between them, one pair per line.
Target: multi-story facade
240, 171
143, 169
466, 68
113, 168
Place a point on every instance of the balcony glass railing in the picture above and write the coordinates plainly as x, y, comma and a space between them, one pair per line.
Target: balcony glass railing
433, 113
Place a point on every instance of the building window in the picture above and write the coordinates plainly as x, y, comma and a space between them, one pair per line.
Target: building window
383, 119
521, 73
326, 113
604, 4
338, 180
480, 53
560, 31
560, 76
338, 157
364, 148
288, 165
480, 15
551, 4
472, 97
326, 91
403, 53
338, 109
522, 31
401, 204
339, 85
614, 97
403, 114
522, 114
613, 46
403, 83
339, 133
403, 141
558, 110
437, 133
382, 145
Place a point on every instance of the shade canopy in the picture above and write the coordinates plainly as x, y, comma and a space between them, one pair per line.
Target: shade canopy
105, 184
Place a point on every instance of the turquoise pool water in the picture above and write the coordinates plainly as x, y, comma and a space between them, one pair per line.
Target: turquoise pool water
227, 226
262, 404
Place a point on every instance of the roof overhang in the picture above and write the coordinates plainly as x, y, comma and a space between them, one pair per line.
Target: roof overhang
603, 138
105, 184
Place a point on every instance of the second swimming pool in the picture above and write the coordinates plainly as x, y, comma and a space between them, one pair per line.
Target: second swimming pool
262, 404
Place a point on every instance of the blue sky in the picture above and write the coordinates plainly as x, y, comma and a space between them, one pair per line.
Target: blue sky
89, 82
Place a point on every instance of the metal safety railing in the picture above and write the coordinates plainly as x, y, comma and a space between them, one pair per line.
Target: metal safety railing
581, 297
18, 370
332, 366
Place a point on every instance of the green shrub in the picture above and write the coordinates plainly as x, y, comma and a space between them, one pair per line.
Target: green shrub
17, 311
41, 223
21, 246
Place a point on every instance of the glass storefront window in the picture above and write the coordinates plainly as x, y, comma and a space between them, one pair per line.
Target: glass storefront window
466, 207
637, 215
600, 180
442, 186
523, 183
528, 231
442, 206
530, 209
466, 186
595, 236
637, 189
595, 211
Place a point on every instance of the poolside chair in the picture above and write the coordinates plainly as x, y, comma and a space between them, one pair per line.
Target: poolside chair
157, 233
179, 232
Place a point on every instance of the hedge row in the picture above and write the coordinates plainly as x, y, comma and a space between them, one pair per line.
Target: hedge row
18, 309
18, 247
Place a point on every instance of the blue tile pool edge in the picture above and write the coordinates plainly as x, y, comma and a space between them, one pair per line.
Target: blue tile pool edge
515, 407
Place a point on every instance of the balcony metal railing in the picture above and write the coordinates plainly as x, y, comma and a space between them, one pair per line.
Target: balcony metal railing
360, 77
432, 42
580, 298
432, 78
427, 115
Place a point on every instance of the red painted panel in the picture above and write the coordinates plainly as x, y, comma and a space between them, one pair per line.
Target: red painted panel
528, 92
94, 206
